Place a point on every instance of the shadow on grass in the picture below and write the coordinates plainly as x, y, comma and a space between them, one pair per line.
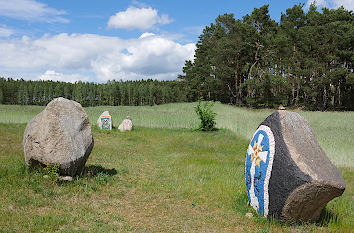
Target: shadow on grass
94, 170
200, 129
328, 217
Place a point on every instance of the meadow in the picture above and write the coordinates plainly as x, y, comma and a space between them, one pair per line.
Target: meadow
162, 177
334, 130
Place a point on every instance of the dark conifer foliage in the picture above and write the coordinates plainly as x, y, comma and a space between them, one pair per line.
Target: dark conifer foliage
143, 92
305, 60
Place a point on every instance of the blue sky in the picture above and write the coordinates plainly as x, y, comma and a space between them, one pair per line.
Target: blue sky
112, 39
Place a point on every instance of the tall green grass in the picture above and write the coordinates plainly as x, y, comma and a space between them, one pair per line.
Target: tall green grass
146, 180
334, 130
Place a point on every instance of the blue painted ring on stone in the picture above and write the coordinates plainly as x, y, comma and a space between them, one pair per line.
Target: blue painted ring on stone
258, 168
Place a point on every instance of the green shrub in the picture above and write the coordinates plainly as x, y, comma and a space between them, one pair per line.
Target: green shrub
52, 171
206, 115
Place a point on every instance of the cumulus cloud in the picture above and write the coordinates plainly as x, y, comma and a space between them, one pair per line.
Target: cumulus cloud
149, 56
55, 76
347, 4
30, 10
138, 18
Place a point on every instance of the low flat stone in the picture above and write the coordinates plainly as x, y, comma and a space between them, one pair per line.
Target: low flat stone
127, 125
60, 134
288, 175
65, 178
104, 121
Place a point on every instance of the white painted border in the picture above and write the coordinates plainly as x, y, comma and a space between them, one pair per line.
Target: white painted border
270, 165
271, 150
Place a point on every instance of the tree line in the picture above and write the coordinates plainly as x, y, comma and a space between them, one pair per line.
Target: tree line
134, 93
305, 60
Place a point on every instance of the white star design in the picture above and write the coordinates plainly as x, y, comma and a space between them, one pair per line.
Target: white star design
257, 155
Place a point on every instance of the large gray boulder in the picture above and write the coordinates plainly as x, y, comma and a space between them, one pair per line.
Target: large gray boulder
60, 134
105, 121
288, 175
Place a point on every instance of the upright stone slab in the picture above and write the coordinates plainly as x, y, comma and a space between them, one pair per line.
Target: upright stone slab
105, 121
60, 134
127, 125
288, 175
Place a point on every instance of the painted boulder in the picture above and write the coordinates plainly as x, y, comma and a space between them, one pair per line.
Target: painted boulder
61, 135
287, 173
105, 121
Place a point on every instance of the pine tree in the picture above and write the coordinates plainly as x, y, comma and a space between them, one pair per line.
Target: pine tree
1, 96
20, 94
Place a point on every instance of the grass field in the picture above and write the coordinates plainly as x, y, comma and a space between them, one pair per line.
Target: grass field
147, 180
334, 130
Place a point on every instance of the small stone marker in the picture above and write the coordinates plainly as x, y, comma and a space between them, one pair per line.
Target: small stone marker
60, 134
105, 121
126, 125
288, 175
281, 107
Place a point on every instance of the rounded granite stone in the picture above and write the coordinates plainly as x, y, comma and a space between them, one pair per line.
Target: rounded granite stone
60, 134
301, 181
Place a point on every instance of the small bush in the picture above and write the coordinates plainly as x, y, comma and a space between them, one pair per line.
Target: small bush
206, 115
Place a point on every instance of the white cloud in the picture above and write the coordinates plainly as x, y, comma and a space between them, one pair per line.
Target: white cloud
319, 3
146, 34
55, 76
139, 4
195, 30
5, 32
137, 18
149, 56
30, 10
347, 4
